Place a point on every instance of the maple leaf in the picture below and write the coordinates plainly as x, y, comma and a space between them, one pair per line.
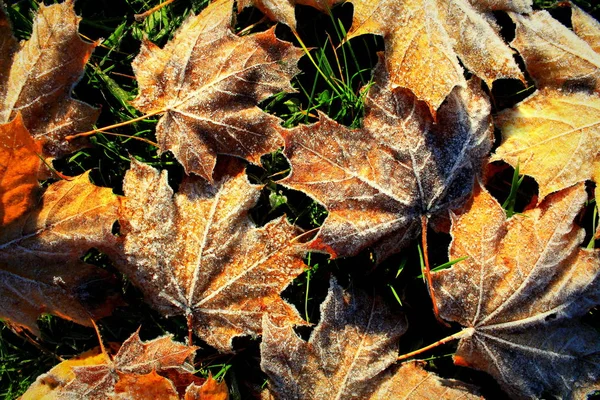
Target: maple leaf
19, 167
348, 355
40, 267
377, 182
196, 253
36, 78
140, 370
424, 40
207, 83
519, 292
284, 10
553, 134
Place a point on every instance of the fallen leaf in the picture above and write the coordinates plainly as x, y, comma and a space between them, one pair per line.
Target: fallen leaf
19, 166
377, 182
555, 57
8, 46
554, 137
553, 134
196, 253
586, 27
40, 267
37, 81
519, 294
424, 40
136, 371
284, 10
350, 355
207, 83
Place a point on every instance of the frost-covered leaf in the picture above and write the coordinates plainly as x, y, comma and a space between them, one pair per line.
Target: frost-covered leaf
350, 355
426, 38
40, 267
353, 343
553, 134
196, 253
519, 294
38, 78
377, 182
19, 166
207, 83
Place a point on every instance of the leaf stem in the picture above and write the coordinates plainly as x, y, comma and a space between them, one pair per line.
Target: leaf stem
131, 121
427, 270
459, 335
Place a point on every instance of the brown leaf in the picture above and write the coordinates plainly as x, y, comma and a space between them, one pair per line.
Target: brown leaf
38, 79
8, 46
40, 267
426, 38
353, 343
553, 136
196, 253
519, 293
554, 55
284, 10
207, 83
19, 166
135, 372
378, 181
209, 390
411, 381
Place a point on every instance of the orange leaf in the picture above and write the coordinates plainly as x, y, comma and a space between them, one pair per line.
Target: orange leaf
19, 166
209, 390
150, 386
40, 267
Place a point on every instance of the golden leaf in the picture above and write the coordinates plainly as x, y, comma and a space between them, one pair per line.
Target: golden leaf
519, 294
284, 10
426, 38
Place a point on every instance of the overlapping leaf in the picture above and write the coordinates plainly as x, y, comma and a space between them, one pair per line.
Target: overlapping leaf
518, 293
284, 10
40, 267
377, 182
139, 370
36, 77
426, 38
348, 355
207, 83
197, 253
553, 135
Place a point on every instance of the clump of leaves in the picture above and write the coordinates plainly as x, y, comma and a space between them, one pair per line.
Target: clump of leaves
205, 248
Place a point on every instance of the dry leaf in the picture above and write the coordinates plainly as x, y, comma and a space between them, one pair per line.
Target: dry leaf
137, 371
426, 38
553, 134
207, 83
554, 55
40, 267
38, 79
284, 10
377, 182
519, 292
348, 356
353, 343
19, 165
196, 253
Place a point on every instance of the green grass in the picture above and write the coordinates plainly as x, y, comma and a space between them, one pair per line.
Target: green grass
331, 81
